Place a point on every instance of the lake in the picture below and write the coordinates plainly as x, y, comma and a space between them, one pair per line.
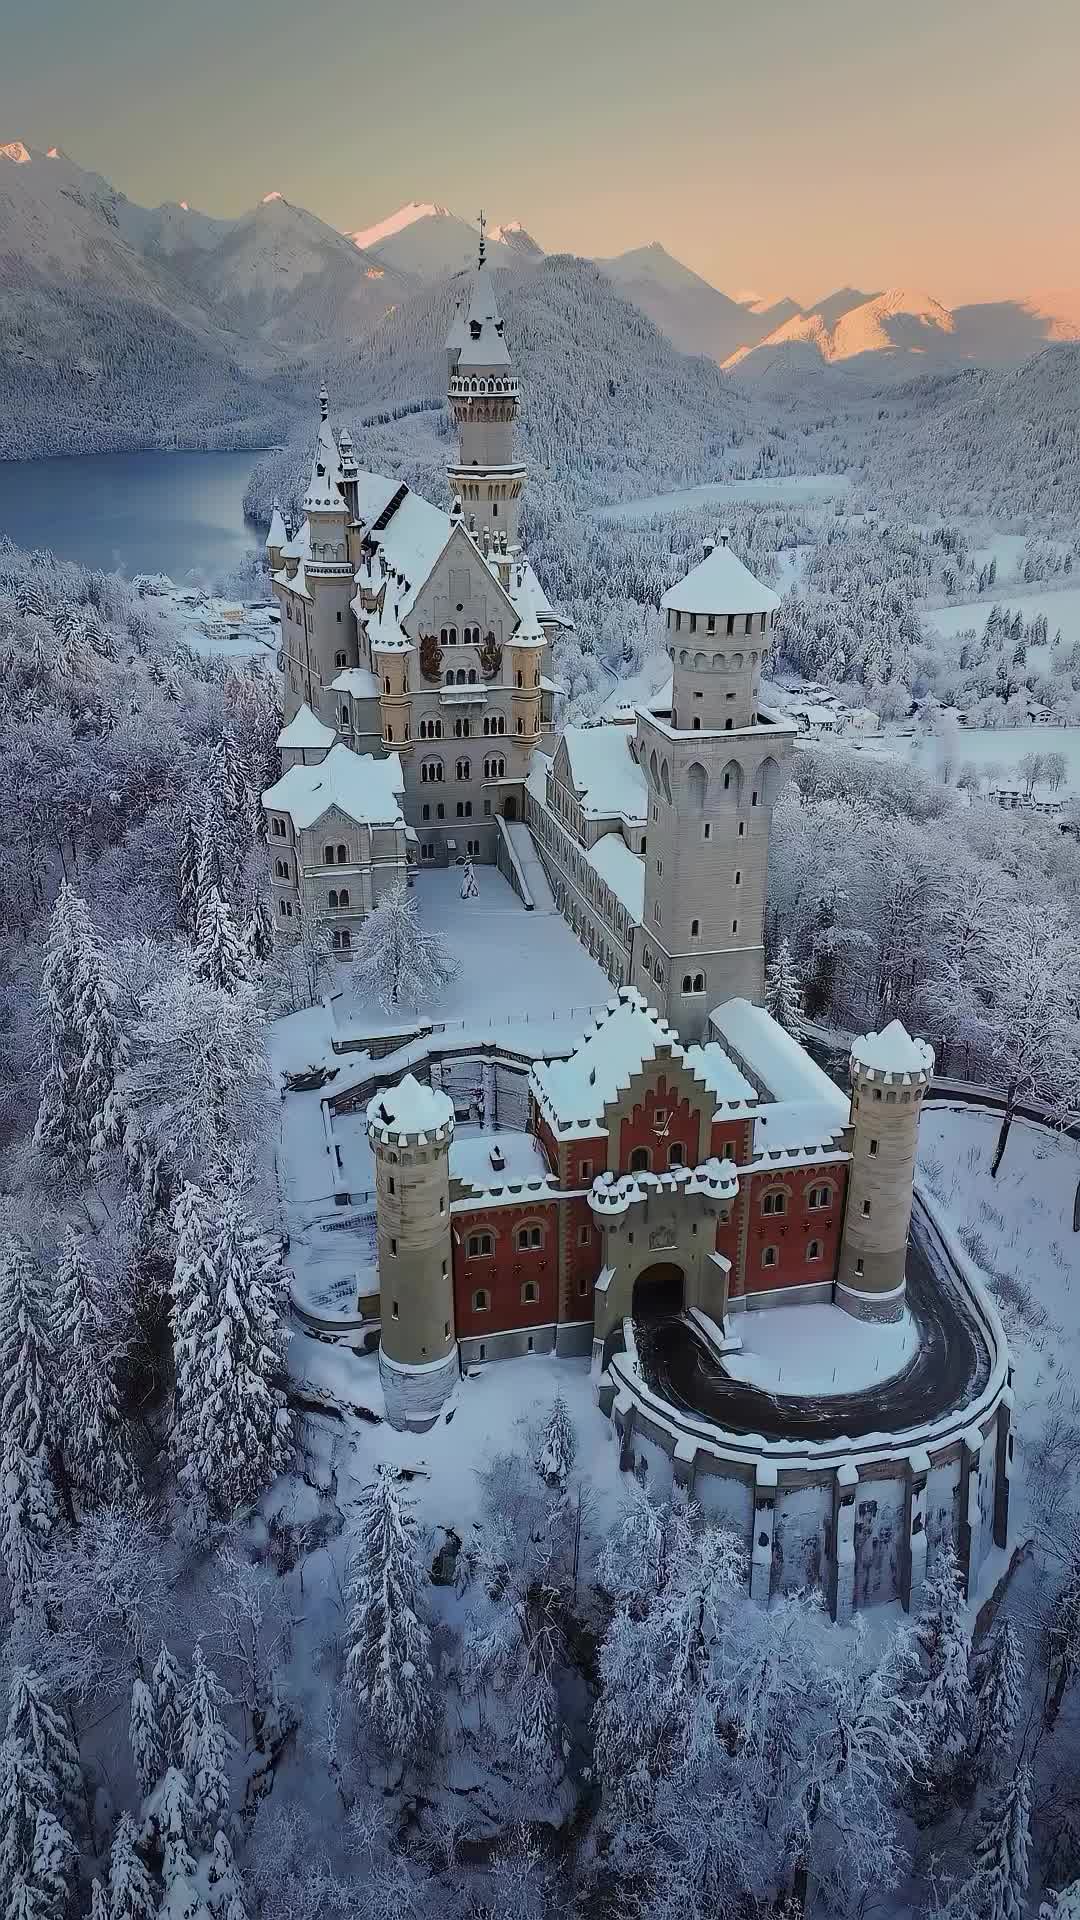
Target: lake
174, 513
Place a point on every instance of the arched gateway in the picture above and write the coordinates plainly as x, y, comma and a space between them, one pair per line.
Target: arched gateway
659, 1291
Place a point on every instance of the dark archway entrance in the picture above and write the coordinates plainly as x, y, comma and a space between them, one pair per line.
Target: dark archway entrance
510, 808
658, 1292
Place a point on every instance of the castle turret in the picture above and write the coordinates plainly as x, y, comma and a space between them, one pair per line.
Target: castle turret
410, 1128
275, 539
890, 1073
713, 768
483, 394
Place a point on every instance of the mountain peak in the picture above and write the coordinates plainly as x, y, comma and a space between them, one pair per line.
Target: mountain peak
406, 216
15, 151
268, 197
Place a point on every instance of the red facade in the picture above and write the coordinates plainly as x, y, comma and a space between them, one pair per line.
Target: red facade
507, 1275
663, 1126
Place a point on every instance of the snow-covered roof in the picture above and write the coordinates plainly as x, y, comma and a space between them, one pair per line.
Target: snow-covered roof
523, 585
774, 1058
621, 870
893, 1052
364, 788
604, 770
411, 1108
729, 1087
276, 535
799, 1126
359, 682
720, 584
507, 1166
574, 1092
307, 731
617, 1193
483, 345
410, 543
324, 487
458, 333
383, 631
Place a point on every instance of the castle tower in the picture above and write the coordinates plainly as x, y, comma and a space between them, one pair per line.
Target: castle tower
713, 769
329, 631
890, 1073
483, 394
410, 1128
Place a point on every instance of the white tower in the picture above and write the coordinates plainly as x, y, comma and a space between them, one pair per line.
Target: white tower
890, 1073
410, 1128
483, 395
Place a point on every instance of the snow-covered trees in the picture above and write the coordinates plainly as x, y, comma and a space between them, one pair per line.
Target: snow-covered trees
558, 1444
941, 1690
40, 1785
404, 965
132, 1895
28, 1506
783, 994
204, 1749
997, 1673
1025, 973
231, 1432
93, 1433
221, 956
388, 1666
1002, 1849
84, 1051
144, 1735
199, 1078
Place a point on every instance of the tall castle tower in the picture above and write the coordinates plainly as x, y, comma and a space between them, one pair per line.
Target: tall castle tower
410, 1128
483, 392
319, 636
713, 768
890, 1073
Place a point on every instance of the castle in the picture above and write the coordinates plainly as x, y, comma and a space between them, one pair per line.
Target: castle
688, 1153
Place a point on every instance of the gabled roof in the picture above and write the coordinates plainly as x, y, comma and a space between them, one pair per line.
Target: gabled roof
358, 682
305, 730
775, 1058
528, 632
574, 1092
605, 773
362, 787
458, 535
720, 584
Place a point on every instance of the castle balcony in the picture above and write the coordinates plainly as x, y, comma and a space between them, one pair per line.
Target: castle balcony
474, 696
329, 569
486, 386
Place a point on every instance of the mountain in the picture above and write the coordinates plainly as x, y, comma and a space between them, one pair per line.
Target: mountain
696, 317
425, 241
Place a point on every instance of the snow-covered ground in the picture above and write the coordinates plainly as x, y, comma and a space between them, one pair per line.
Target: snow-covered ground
992, 751
1018, 1229
792, 488
1061, 605
818, 1349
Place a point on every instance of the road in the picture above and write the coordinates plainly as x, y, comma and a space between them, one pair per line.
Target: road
951, 1365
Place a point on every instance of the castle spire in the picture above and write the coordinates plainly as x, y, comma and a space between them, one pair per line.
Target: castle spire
483, 237
484, 400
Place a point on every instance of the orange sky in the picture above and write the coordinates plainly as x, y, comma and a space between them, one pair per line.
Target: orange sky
783, 145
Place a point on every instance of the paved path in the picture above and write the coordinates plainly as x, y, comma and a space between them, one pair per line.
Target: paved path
950, 1367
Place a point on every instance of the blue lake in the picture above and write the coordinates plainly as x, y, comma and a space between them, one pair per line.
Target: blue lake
174, 513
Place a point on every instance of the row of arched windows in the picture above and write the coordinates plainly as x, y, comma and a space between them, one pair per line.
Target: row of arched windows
338, 899
641, 1158
527, 1239
335, 855
460, 677
470, 637
530, 1294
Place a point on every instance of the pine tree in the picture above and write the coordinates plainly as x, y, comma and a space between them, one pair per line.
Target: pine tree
214, 862
99, 1901
92, 1427
942, 1693
558, 1444
132, 1895
1002, 1849
204, 1748
28, 1511
220, 954
34, 1718
145, 1736
388, 1666
404, 965
194, 1293
85, 1048
169, 1688
236, 1431
783, 994
224, 1897
187, 875
176, 1821
258, 937
998, 1679
228, 785
28, 1518
1062, 1906
39, 1779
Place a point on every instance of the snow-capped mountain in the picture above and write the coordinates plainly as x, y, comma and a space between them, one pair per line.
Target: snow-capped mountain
426, 241
900, 333
696, 317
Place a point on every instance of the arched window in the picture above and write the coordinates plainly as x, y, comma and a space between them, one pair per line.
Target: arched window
481, 1300
813, 1250
341, 939
530, 1292
664, 779
676, 1156
529, 1238
699, 983
472, 676
431, 771
386, 683
328, 856
343, 897
819, 1198
731, 781
769, 1256
695, 929
697, 782
332, 899
342, 854
281, 868
479, 1246
448, 636
462, 729
774, 1201
520, 678
640, 1160
463, 770
686, 983
343, 713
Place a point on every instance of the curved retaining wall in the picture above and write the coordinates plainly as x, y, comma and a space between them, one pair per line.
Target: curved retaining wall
861, 1518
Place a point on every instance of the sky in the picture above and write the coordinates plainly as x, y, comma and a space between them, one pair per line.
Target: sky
782, 146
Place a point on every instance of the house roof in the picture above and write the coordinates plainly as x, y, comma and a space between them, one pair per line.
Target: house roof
605, 772
362, 787
306, 730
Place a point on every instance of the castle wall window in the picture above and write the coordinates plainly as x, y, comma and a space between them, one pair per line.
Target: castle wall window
775, 1202
328, 856
529, 1238
448, 636
711, 624
343, 713
285, 909
866, 1209
640, 1160
873, 1149
281, 869
463, 770
479, 1246
676, 1155
819, 1197
813, 1250
530, 1293
584, 1236
431, 771
386, 683
481, 1300
695, 929
341, 659
464, 809
341, 939
461, 729
859, 1268
769, 1257
472, 847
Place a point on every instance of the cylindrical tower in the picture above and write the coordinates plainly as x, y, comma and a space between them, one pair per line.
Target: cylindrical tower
410, 1128
890, 1073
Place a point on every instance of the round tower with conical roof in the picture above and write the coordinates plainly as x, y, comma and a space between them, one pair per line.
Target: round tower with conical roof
890, 1073
410, 1128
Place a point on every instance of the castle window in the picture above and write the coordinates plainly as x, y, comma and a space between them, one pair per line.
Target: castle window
711, 624
386, 683
659, 866
866, 1209
283, 907
738, 876
431, 771
658, 974
328, 856
697, 723
446, 1323
281, 869
699, 983
775, 1202
343, 713
676, 1156
343, 897
391, 1188
819, 1197
742, 829
706, 833
656, 911
813, 1251
390, 733
278, 827
340, 556
479, 1246
731, 623
464, 809
394, 1311
425, 811
584, 1236
341, 658
753, 798
859, 1268
529, 1237
393, 1246
448, 636
770, 1256
877, 1093
427, 851
586, 1170
640, 1160
520, 678
873, 1149
520, 724
472, 848
646, 960
341, 939
481, 1302
461, 729
333, 899
734, 926
530, 1293
341, 854
440, 811
463, 770
686, 983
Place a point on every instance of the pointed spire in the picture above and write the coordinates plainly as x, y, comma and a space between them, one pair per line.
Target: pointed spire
324, 403
483, 238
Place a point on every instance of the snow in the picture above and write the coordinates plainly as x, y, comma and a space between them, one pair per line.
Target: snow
575, 1092
806, 1127
521, 1153
411, 1107
1060, 605
367, 789
359, 682
790, 488
992, 751
819, 1349
720, 584
621, 870
893, 1051
484, 345
324, 487
406, 216
276, 536
605, 772
775, 1058
306, 732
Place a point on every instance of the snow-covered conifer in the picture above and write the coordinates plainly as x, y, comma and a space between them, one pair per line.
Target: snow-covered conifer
169, 1687
388, 1666
1002, 1850
145, 1736
25, 1351
177, 1823
1062, 1906
28, 1518
224, 1897
198, 1081
93, 1436
942, 1692
99, 1901
404, 965
783, 994
558, 1444
187, 875
258, 936
85, 1049
132, 1894
220, 954
36, 1720
204, 1748
469, 888
39, 1780
998, 1680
